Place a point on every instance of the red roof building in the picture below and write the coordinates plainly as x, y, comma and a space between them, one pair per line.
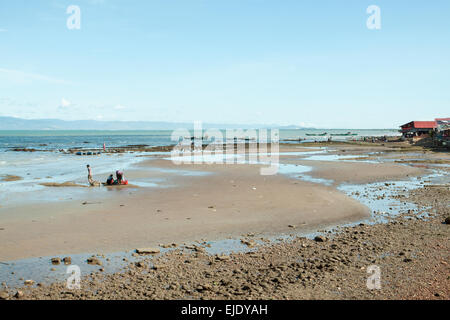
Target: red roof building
430, 125
415, 129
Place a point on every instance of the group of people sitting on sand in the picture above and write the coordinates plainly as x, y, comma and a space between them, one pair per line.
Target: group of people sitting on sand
120, 179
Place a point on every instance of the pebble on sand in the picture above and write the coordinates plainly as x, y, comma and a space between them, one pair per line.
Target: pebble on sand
147, 250
320, 239
19, 294
223, 257
248, 243
158, 267
4, 295
94, 261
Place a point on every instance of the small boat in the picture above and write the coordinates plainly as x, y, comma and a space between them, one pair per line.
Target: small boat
344, 134
316, 134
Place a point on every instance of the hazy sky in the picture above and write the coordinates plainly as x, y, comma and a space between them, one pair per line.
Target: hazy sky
229, 61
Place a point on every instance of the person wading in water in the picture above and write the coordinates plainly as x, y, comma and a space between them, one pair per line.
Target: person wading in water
92, 182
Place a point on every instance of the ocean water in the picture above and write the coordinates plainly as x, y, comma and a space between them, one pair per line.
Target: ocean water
55, 140
50, 165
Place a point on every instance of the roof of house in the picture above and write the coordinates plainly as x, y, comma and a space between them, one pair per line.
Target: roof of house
420, 124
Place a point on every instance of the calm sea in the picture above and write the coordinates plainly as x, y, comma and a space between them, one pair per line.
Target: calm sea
42, 166
55, 140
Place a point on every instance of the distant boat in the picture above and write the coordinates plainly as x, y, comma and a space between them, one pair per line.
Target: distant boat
344, 134
316, 134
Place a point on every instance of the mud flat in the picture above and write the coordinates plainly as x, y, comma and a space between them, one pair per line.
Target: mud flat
9, 178
67, 184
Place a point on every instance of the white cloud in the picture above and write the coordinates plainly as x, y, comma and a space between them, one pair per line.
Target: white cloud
65, 103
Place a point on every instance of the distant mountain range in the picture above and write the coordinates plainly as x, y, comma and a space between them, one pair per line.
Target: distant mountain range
11, 123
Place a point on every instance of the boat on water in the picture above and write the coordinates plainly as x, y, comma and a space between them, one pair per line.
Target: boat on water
316, 134
344, 134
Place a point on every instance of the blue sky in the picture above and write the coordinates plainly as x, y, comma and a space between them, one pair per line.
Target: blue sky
229, 61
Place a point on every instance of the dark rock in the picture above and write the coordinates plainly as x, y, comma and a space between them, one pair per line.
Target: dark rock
223, 257
147, 250
94, 261
158, 267
204, 287
248, 243
320, 239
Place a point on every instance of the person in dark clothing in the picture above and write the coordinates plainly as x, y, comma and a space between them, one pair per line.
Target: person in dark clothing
110, 180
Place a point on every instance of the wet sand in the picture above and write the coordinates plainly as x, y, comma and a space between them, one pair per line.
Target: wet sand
350, 172
62, 185
9, 178
229, 201
410, 253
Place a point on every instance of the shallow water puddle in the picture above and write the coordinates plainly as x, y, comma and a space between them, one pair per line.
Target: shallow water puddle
379, 196
39, 167
342, 158
40, 269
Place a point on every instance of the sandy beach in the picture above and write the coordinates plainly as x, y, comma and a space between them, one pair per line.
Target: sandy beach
203, 203
412, 255
225, 201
